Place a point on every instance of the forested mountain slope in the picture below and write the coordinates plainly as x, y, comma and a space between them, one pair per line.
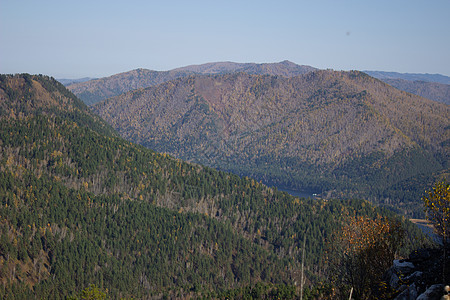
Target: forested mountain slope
81, 206
96, 90
432, 86
432, 90
93, 91
335, 133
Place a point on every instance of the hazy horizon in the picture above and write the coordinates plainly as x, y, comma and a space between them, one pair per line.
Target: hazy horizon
101, 38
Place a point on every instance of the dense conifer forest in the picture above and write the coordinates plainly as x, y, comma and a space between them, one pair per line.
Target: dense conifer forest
79, 205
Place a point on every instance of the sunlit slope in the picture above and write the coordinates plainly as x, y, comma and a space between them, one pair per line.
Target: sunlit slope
336, 133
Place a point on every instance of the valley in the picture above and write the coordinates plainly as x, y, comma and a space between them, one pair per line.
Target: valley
82, 206
342, 134
269, 150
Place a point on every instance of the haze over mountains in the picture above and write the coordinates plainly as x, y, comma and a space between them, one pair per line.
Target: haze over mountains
96, 90
73, 81
335, 133
432, 86
438, 78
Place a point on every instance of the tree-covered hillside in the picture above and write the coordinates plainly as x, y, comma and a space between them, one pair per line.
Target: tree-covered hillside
432, 86
341, 134
80, 205
432, 90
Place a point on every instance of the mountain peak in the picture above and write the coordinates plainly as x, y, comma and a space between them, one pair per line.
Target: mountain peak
38, 93
287, 62
24, 95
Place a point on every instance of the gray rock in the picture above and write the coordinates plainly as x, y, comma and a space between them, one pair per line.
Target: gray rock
408, 294
433, 292
394, 281
403, 267
413, 277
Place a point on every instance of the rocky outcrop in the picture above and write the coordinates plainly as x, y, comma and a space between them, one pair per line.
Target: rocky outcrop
418, 277
433, 292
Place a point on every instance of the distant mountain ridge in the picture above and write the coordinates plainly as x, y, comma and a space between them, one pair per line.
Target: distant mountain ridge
284, 68
333, 132
410, 76
432, 86
91, 91
66, 82
432, 90
96, 90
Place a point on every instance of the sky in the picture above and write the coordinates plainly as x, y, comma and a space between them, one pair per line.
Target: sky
98, 38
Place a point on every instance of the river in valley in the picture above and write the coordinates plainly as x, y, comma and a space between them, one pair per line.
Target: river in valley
300, 194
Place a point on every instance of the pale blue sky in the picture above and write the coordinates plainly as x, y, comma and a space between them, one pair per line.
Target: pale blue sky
96, 38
